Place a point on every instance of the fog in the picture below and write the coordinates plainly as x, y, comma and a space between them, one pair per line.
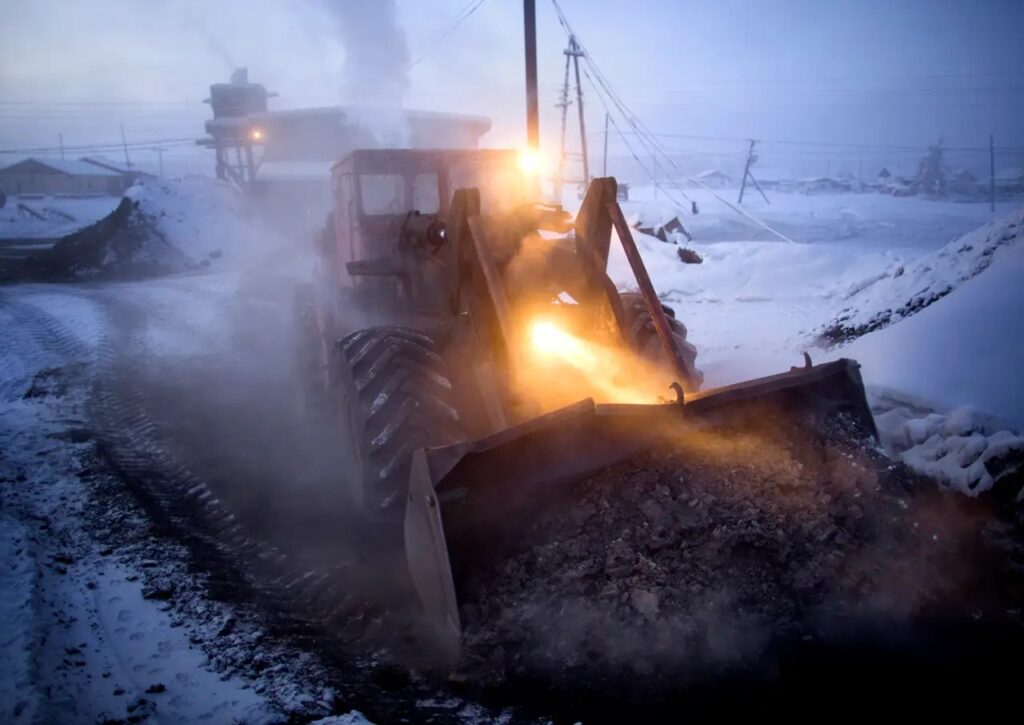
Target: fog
816, 81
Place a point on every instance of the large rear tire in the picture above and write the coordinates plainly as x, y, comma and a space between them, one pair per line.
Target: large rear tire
395, 397
640, 324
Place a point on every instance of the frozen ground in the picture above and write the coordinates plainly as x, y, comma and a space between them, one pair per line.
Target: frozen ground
120, 596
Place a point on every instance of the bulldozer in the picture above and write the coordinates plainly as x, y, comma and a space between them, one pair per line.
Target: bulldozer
478, 358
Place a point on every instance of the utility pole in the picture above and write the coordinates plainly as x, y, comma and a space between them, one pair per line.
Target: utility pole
563, 107
572, 55
604, 165
60, 138
576, 52
159, 151
530, 43
991, 172
751, 160
124, 145
746, 170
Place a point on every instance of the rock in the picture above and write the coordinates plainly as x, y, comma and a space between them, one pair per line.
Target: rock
688, 256
158, 590
645, 602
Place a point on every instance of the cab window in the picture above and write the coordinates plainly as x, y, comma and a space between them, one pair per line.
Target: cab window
382, 194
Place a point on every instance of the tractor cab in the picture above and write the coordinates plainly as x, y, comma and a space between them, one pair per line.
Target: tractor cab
376, 193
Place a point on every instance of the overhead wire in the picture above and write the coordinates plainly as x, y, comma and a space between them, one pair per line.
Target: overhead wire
167, 142
644, 133
459, 18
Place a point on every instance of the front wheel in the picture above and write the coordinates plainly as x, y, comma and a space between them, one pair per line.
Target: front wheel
395, 397
640, 324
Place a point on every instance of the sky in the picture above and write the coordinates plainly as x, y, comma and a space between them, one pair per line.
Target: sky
793, 73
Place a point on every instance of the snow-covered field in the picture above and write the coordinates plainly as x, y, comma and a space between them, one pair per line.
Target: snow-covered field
931, 282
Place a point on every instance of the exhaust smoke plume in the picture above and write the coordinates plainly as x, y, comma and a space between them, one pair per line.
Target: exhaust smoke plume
375, 74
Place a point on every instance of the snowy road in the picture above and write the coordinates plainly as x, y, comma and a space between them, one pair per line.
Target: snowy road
137, 485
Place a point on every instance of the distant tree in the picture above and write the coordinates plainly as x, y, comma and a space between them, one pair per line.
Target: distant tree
931, 171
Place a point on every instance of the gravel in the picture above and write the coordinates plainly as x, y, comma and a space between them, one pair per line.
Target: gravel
706, 556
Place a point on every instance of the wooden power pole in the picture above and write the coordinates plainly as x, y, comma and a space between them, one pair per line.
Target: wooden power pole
751, 159
124, 145
530, 44
573, 53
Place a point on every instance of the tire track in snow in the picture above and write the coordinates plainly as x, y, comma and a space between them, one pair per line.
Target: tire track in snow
308, 607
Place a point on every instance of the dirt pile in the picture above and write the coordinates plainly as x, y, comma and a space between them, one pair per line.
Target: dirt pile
127, 243
706, 556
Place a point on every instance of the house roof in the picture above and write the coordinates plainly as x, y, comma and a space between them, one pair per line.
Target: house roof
70, 167
713, 174
769, 173
109, 164
1014, 173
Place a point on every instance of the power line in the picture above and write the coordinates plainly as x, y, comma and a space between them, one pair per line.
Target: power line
643, 133
459, 18
100, 103
103, 147
832, 144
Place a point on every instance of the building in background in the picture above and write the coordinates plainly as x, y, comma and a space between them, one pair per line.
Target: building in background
129, 173
60, 177
714, 179
284, 158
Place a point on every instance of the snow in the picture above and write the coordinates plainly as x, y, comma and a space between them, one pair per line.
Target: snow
83, 211
965, 348
750, 307
17, 590
905, 288
961, 449
938, 282
351, 718
80, 641
203, 218
908, 225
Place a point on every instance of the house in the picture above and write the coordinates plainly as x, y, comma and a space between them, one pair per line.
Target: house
884, 176
130, 174
714, 179
774, 178
962, 181
59, 176
1009, 181
823, 185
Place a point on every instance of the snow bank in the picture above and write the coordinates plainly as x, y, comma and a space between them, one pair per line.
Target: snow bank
966, 450
159, 227
904, 289
965, 348
205, 219
751, 308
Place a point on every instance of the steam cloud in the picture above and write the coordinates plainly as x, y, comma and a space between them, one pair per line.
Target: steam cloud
375, 75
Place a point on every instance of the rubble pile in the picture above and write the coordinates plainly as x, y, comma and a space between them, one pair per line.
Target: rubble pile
702, 556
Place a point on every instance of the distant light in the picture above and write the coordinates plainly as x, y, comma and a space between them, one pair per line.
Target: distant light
530, 161
256, 134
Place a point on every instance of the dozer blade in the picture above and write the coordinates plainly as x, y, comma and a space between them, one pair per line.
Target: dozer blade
471, 503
